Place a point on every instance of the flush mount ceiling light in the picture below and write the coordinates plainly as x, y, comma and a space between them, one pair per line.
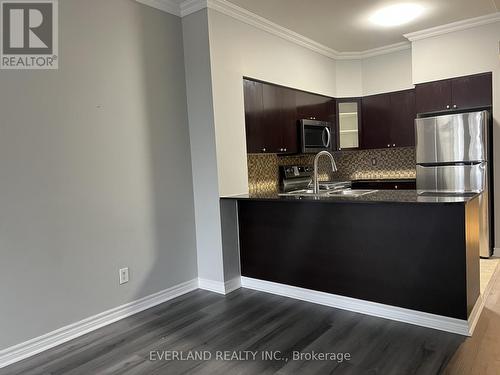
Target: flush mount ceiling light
398, 14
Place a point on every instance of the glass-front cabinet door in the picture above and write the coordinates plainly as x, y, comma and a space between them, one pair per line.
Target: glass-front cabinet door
349, 115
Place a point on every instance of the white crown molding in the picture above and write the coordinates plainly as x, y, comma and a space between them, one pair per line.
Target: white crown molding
191, 6
442, 323
243, 15
168, 6
264, 24
391, 48
52, 339
453, 27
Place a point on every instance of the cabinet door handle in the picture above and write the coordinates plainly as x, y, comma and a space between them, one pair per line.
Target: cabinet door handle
284, 149
394, 145
388, 145
264, 149
447, 107
454, 106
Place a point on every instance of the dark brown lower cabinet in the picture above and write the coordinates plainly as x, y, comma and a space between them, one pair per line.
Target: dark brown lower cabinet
409, 184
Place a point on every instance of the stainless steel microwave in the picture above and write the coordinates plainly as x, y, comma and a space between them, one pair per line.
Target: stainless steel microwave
315, 136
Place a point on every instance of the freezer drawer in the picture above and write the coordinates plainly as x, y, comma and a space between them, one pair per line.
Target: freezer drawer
451, 138
451, 178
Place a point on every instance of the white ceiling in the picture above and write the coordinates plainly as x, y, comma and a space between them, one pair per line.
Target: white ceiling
343, 25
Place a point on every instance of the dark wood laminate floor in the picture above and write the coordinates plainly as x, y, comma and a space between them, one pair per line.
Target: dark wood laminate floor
252, 321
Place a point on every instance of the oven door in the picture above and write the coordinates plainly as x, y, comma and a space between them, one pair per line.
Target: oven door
316, 136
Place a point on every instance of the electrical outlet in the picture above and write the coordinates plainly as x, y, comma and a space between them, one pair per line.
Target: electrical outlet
124, 277
374, 161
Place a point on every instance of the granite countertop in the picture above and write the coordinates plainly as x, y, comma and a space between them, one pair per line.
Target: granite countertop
380, 196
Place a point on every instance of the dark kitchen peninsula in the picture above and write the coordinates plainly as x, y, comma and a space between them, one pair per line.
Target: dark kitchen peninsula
391, 247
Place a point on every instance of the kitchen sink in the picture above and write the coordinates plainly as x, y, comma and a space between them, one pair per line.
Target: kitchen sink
351, 193
304, 193
327, 193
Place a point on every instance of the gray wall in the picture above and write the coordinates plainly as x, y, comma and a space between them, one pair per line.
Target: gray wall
95, 170
203, 146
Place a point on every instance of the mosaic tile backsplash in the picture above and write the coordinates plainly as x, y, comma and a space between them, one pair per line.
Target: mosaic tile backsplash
263, 174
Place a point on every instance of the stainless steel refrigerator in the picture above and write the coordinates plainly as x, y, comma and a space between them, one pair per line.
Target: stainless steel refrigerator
452, 153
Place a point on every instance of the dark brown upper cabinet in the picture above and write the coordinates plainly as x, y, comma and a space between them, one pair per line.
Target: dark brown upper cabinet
472, 91
270, 118
254, 110
384, 121
314, 107
388, 120
376, 119
280, 118
403, 114
433, 96
454, 94
272, 113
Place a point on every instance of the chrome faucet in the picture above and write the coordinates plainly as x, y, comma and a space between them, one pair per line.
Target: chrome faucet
315, 175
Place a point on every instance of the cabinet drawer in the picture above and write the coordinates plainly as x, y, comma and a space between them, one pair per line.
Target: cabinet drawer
385, 184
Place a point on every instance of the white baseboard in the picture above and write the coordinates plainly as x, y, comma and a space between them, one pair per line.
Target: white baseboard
232, 285
219, 286
478, 307
39, 344
212, 286
494, 276
475, 314
443, 323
